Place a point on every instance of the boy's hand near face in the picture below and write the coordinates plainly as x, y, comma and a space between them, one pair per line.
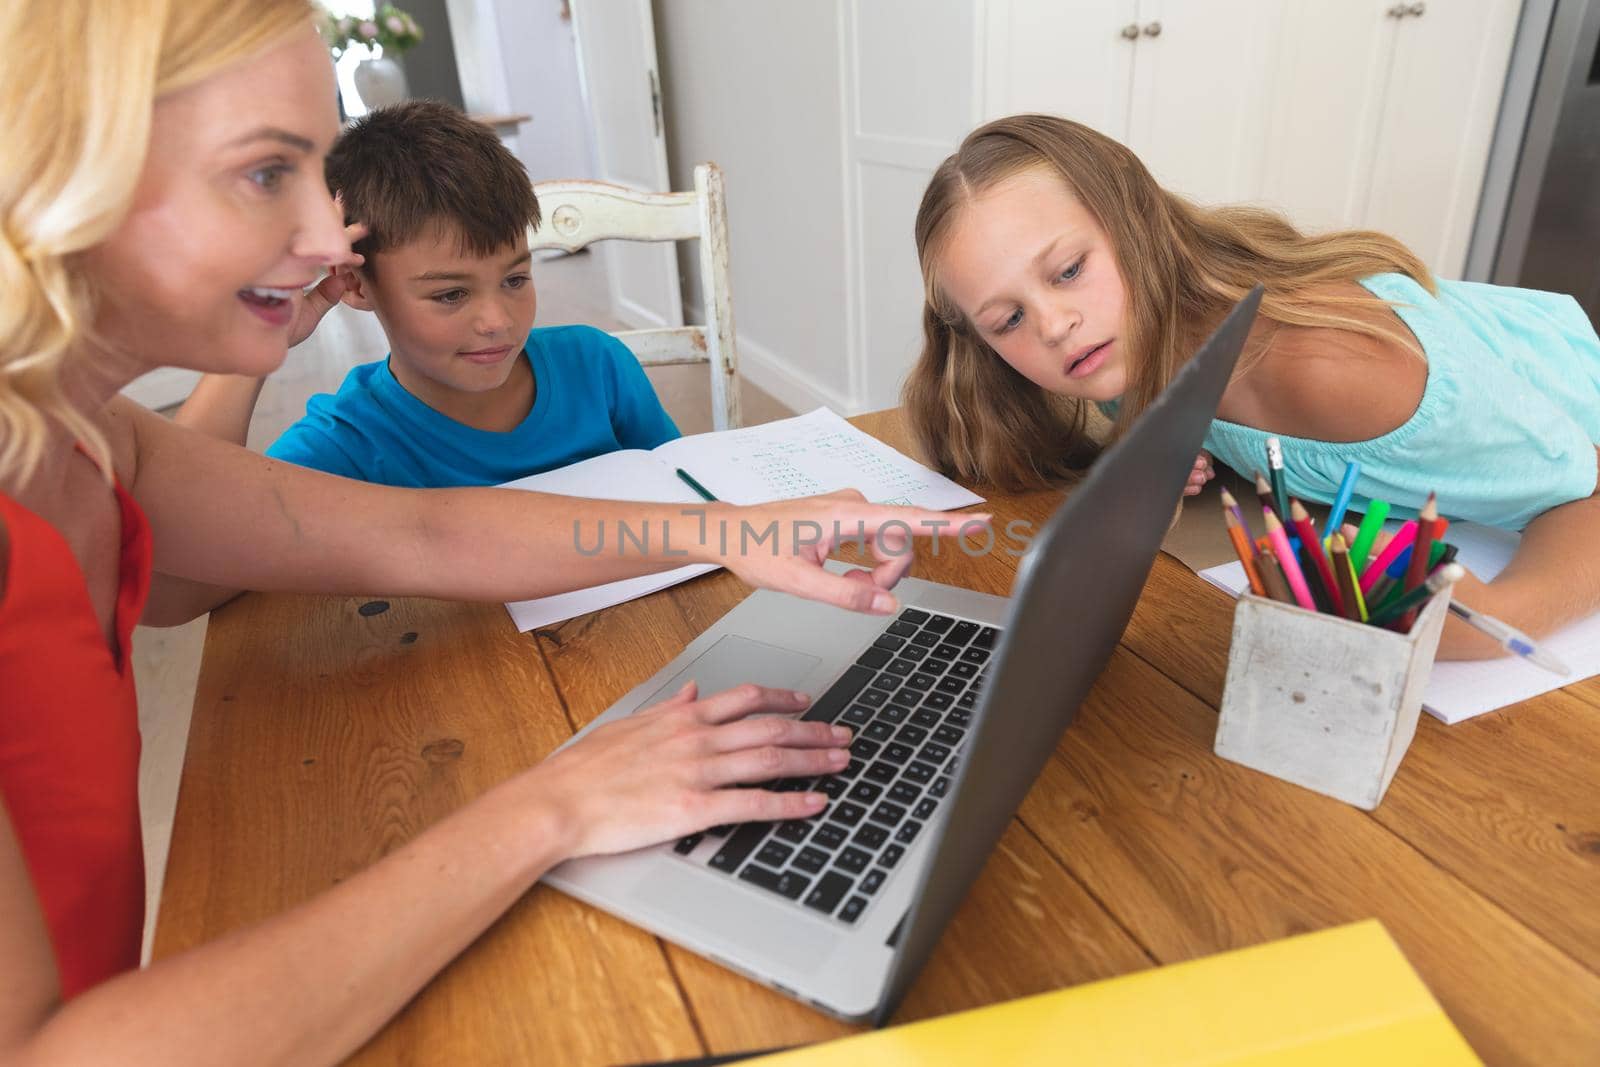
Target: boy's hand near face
319, 300
221, 405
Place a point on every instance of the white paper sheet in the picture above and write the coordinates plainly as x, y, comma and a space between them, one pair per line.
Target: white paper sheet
806, 455
1460, 690
802, 456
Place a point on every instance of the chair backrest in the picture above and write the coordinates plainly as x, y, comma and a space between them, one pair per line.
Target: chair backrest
578, 213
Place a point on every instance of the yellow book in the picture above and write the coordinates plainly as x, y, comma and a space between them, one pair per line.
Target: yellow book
1329, 999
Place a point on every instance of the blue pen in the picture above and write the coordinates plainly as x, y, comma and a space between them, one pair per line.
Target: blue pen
1510, 638
1341, 500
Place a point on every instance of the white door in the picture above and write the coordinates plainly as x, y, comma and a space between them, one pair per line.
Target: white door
1199, 110
1444, 96
622, 89
1062, 57
1328, 104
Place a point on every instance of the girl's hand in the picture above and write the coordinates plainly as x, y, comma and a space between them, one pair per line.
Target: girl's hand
320, 298
666, 771
1201, 473
782, 546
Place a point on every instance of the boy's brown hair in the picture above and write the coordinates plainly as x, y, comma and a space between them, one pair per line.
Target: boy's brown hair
410, 169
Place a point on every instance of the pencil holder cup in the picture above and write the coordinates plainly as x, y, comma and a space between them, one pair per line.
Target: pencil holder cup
1324, 702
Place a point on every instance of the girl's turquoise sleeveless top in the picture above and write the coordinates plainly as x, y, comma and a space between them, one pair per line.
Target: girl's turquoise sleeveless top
1508, 422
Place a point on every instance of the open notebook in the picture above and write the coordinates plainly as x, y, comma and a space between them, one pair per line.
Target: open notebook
802, 456
1460, 690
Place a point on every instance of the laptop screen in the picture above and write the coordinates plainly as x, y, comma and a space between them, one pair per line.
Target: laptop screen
1075, 592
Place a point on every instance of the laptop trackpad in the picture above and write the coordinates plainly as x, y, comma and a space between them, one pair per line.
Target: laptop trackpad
735, 661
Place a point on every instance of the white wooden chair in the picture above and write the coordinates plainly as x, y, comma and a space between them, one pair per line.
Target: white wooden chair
578, 213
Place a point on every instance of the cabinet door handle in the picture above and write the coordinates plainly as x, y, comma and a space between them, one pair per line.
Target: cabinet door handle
1398, 11
1153, 29
1416, 9
1131, 31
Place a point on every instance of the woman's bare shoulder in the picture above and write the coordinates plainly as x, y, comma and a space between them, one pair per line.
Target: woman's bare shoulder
129, 428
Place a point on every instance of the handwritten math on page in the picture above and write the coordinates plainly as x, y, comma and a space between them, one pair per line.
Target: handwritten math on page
804, 456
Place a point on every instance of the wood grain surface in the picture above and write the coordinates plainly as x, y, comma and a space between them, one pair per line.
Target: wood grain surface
323, 737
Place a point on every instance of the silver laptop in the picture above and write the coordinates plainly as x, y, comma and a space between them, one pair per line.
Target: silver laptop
956, 705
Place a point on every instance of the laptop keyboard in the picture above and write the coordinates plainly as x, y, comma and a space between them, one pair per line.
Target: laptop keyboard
909, 699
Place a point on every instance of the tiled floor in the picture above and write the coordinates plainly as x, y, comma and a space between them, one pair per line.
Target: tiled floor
167, 662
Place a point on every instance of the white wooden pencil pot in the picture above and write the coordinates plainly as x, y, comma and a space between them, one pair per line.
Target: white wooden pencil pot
1324, 702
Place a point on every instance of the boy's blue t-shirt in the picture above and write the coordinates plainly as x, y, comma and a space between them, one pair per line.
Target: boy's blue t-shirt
591, 397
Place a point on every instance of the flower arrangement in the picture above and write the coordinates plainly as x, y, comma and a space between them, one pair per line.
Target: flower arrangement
389, 28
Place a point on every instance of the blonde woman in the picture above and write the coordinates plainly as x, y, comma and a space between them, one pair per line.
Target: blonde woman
162, 203
1059, 274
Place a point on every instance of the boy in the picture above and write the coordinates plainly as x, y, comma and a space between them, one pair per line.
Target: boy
470, 393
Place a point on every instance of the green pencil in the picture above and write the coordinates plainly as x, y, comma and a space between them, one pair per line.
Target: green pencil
705, 494
1371, 523
1280, 492
1443, 578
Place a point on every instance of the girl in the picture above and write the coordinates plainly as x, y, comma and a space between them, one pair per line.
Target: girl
1058, 274
163, 203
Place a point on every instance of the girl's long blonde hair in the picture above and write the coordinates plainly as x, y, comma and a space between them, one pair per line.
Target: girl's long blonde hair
1182, 266
76, 95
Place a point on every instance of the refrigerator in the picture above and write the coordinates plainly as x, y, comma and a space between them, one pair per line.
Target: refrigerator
1539, 220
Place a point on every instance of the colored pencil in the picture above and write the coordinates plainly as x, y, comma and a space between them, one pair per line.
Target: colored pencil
1339, 555
1380, 563
1232, 505
1314, 580
1383, 594
1242, 546
1291, 569
1280, 494
1371, 523
1272, 575
1421, 552
1511, 639
1440, 579
1264, 492
1402, 562
1341, 499
1312, 544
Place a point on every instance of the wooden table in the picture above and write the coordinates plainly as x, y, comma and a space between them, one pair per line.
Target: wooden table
324, 736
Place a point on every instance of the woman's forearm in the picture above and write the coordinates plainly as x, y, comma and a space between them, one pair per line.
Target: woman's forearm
311, 985
228, 517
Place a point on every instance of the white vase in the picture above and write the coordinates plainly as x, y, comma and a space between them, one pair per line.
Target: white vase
380, 82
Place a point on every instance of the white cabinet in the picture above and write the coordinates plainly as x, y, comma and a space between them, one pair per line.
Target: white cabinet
1199, 104
1066, 58
1341, 113
1327, 105
1181, 82
1445, 85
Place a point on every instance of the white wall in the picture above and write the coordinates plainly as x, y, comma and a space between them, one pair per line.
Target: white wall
911, 75
828, 117
754, 86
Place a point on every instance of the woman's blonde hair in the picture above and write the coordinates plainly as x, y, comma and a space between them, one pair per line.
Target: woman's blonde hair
1182, 266
76, 96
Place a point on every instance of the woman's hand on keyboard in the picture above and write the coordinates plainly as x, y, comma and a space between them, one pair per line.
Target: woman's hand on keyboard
666, 771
